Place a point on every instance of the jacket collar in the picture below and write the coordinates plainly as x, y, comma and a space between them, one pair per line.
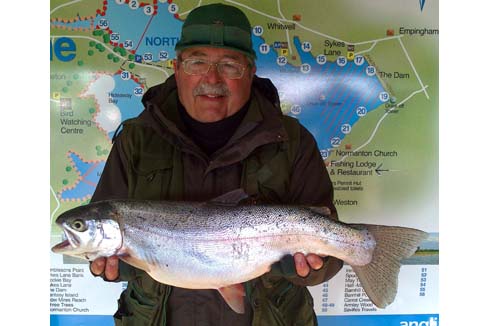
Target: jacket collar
261, 125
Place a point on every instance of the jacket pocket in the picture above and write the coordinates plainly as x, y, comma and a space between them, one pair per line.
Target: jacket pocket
150, 176
283, 304
267, 173
297, 305
133, 309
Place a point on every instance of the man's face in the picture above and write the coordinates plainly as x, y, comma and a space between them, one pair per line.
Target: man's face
198, 93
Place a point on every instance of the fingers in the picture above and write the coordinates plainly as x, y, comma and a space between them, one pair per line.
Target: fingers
112, 268
315, 262
107, 266
97, 266
302, 267
303, 264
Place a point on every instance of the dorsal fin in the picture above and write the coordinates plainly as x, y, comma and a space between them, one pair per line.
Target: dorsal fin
323, 210
231, 198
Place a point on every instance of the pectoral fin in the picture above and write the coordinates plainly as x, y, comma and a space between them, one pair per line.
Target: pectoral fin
234, 295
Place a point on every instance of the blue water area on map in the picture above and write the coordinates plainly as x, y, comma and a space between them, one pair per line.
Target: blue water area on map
327, 98
129, 107
150, 34
90, 174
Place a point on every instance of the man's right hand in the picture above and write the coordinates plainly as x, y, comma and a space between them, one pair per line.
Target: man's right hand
108, 268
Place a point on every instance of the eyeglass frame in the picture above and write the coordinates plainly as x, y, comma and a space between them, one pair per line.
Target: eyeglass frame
217, 64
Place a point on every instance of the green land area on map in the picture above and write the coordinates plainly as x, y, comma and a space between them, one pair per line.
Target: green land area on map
387, 164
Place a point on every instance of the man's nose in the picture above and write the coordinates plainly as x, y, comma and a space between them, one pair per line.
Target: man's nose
213, 75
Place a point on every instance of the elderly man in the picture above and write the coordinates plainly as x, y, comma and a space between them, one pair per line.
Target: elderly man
212, 128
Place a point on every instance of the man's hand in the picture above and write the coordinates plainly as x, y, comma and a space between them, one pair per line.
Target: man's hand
304, 263
108, 267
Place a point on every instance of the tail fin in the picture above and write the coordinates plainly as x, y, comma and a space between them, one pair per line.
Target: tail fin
379, 278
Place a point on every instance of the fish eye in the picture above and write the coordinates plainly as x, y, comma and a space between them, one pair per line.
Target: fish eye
78, 225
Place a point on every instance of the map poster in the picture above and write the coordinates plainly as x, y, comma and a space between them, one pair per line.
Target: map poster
361, 75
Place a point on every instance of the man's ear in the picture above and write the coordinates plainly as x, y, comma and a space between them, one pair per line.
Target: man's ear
253, 70
175, 64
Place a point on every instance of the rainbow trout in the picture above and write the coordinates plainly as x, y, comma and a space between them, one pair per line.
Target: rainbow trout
214, 246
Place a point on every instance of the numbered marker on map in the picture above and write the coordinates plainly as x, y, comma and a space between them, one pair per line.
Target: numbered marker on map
305, 68
138, 91
148, 57
115, 37
306, 46
325, 153
103, 23
125, 75
335, 141
128, 44
282, 60
359, 60
148, 10
120, 2
295, 109
264, 48
341, 61
163, 1
321, 59
370, 71
258, 30
384, 96
346, 128
163, 55
361, 111
134, 4
173, 8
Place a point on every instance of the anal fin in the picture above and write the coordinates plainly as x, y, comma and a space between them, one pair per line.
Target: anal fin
234, 295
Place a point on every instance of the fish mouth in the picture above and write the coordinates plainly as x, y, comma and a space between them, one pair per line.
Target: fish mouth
70, 243
62, 246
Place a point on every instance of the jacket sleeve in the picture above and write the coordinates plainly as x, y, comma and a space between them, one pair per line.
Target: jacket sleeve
310, 185
113, 184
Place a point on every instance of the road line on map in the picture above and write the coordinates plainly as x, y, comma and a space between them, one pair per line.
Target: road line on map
287, 31
112, 51
144, 32
64, 5
409, 96
381, 120
57, 202
388, 38
368, 50
309, 29
188, 11
413, 67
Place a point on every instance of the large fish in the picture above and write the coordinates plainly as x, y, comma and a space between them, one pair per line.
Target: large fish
215, 246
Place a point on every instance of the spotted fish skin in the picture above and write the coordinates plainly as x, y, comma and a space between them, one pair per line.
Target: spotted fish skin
209, 246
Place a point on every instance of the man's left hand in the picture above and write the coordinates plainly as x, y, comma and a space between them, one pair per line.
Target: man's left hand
305, 263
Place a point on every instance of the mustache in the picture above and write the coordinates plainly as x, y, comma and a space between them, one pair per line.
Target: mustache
211, 89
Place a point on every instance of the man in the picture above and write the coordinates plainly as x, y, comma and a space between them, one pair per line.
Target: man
211, 128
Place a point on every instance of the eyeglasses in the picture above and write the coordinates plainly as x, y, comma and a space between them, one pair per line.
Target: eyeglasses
227, 69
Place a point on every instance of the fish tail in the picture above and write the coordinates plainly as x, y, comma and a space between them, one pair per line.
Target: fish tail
379, 278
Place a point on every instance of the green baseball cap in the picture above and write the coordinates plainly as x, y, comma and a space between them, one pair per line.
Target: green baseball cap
217, 25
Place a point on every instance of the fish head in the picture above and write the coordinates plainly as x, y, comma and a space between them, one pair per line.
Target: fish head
89, 234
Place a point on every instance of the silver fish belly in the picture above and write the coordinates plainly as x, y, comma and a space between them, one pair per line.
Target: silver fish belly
209, 246
204, 246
